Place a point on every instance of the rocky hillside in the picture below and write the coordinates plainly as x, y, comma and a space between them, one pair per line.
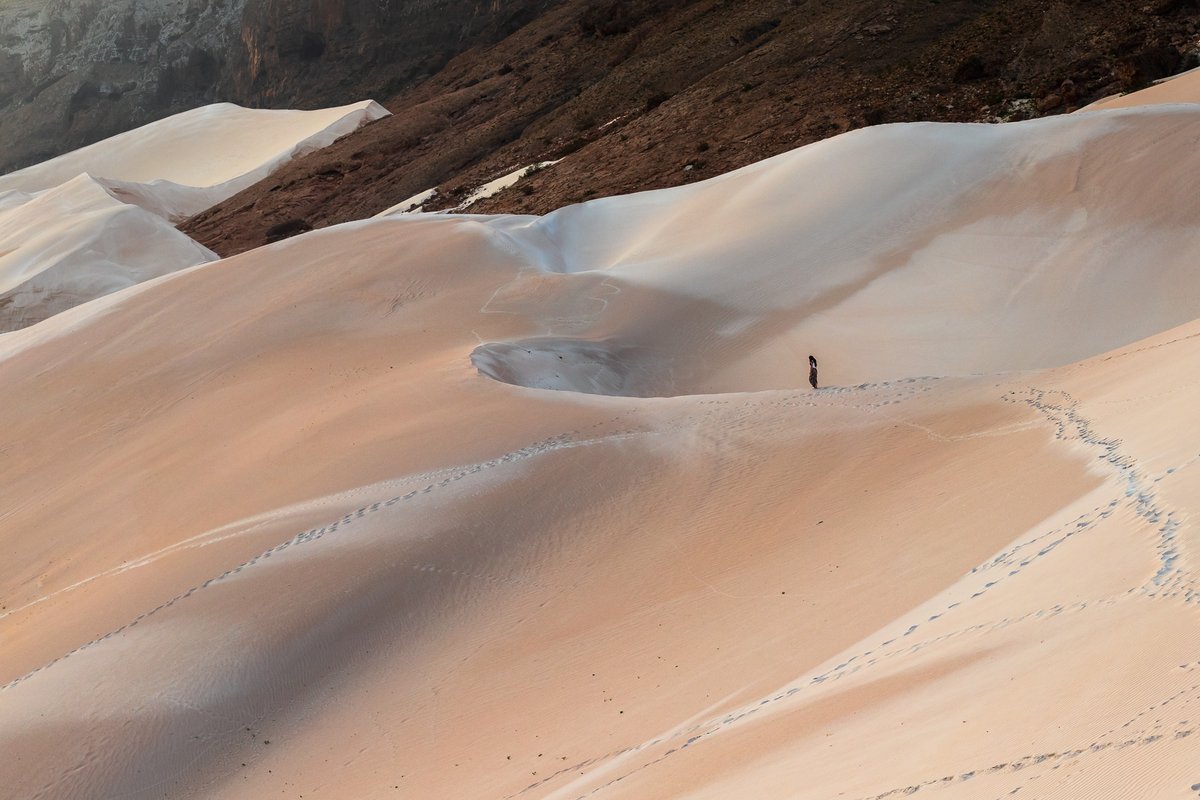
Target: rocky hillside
622, 94
75, 71
633, 94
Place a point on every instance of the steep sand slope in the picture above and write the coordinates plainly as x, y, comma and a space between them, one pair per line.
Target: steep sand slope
270, 533
183, 164
77, 242
894, 251
67, 237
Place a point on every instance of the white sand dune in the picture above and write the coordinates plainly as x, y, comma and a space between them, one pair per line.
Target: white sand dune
76, 242
269, 532
985, 248
67, 237
181, 165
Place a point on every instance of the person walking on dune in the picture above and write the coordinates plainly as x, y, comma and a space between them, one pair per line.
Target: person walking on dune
812, 371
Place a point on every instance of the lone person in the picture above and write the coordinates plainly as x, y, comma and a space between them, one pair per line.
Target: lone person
812, 371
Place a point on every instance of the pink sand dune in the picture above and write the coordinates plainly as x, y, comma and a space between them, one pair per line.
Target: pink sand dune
511, 507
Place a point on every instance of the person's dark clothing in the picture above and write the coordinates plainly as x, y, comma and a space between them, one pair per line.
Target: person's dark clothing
812, 371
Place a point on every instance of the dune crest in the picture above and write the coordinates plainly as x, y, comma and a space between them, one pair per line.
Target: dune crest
183, 164
896, 251
100, 219
76, 242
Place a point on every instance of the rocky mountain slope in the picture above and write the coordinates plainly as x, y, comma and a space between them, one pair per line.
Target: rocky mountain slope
623, 94
73, 72
632, 95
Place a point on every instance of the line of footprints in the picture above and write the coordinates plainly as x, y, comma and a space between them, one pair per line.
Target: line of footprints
1171, 580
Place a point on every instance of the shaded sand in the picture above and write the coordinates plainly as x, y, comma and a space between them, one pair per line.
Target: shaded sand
67, 237
269, 531
76, 242
895, 251
183, 164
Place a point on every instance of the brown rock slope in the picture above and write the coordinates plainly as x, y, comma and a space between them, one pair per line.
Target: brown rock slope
635, 95
73, 72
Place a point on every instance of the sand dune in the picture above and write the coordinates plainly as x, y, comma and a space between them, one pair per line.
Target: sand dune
896, 251
181, 165
1183, 88
77, 242
273, 529
67, 237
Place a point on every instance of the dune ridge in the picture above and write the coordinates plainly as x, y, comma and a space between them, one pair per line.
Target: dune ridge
183, 164
100, 219
75, 242
991, 248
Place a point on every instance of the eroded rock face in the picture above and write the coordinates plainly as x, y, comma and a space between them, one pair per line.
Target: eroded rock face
296, 51
76, 71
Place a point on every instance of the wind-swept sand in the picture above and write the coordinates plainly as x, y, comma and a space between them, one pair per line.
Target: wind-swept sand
1184, 88
269, 532
77, 242
896, 251
67, 237
183, 164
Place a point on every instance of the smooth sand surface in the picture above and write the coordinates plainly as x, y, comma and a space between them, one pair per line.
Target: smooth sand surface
983, 248
1183, 88
67, 237
181, 165
273, 528
77, 242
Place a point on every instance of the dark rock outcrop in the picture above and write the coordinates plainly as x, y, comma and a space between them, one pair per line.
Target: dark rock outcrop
297, 53
73, 71
76, 71
634, 94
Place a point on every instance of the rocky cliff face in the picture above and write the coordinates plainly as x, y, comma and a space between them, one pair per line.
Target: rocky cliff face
75, 71
294, 52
